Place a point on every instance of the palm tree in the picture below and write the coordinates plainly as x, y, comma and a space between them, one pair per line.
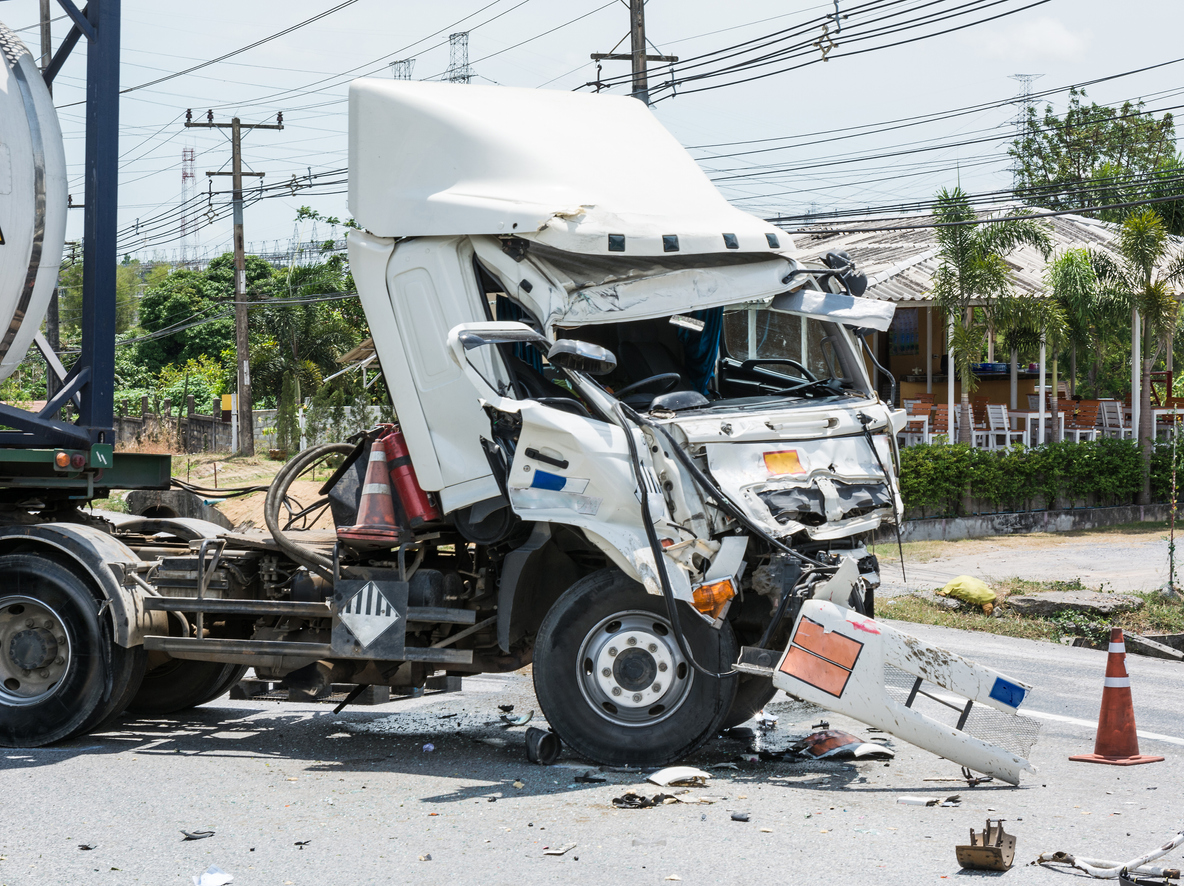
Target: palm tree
973, 271
1026, 322
1140, 276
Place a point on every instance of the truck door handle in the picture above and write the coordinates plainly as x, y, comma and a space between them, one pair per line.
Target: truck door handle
560, 463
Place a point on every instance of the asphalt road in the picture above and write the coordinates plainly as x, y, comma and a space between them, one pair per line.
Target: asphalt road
367, 802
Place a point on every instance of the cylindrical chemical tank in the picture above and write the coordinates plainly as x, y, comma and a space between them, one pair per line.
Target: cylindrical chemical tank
32, 200
416, 503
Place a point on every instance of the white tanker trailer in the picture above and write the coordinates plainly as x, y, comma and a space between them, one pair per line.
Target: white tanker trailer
637, 446
32, 200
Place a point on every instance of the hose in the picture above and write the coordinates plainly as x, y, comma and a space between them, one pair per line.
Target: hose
316, 562
658, 554
1109, 870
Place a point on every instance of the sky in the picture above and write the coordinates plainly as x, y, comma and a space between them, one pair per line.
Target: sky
541, 44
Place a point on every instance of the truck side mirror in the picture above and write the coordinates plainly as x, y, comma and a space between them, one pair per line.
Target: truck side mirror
580, 356
840, 262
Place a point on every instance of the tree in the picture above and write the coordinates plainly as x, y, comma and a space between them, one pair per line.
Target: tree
200, 301
972, 271
1096, 155
1141, 277
303, 341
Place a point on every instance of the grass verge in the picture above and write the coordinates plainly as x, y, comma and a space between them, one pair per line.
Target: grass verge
1157, 616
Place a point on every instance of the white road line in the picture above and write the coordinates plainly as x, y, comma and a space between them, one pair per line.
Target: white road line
1151, 736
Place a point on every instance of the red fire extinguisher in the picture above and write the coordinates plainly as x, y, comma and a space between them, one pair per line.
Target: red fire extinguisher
416, 503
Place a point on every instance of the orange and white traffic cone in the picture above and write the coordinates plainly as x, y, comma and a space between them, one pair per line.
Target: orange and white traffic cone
1117, 742
377, 525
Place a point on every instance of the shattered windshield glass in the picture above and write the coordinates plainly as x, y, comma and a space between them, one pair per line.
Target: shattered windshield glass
786, 349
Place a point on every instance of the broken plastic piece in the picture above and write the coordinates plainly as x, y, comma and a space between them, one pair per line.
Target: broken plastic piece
212, 876
505, 708
560, 850
992, 850
196, 835
739, 816
686, 776
1108, 870
954, 800
517, 721
835, 743
589, 778
428, 748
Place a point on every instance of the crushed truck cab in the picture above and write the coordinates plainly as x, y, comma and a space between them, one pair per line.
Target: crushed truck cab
634, 437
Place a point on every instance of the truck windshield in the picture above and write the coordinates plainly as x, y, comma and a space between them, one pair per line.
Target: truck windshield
775, 349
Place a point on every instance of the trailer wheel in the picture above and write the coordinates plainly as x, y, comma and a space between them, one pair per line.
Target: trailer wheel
61, 674
179, 684
613, 683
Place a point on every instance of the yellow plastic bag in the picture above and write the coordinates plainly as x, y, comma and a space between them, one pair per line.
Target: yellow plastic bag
970, 590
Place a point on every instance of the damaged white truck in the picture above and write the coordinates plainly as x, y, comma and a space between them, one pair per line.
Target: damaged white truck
637, 447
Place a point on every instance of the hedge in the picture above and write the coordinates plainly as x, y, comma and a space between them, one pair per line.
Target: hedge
953, 480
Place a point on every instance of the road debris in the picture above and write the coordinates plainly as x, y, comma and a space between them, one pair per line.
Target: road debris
519, 784
673, 877
837, 744
560, 850
991, 850
505, 708
739, 816
427, 857
428, 748
212, 876
196, 835
955, 800
679, 776
1108, 870
589, 778
542, 745
766, 722
517, 721
633, 800
300, 844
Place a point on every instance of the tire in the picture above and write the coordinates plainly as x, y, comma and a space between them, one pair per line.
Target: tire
180, 684
63, 675
635, 725
752, 694
233, 675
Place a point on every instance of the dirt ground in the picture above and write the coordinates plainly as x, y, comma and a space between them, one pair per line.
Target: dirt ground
1124, 558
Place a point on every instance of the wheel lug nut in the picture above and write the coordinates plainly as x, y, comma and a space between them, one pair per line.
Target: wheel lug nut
616, 690
60, 660
662, 666
62, 640
29, 623
49, 624
632, 641
612, 650
657, 687
637, 696
25, 673
607, 672
43, 674
653, 647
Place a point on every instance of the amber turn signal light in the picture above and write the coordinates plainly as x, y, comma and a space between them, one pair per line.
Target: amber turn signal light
61, 460
710, 599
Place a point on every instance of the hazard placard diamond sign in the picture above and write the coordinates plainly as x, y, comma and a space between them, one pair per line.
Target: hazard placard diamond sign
369, 614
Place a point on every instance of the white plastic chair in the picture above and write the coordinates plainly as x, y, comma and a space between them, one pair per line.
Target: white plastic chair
1112, 424
1001, 433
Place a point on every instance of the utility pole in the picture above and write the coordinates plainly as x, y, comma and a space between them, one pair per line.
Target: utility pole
246, 429
52, 327
637, 54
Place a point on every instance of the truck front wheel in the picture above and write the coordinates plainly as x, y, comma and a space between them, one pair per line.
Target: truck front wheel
61, 674
613, 682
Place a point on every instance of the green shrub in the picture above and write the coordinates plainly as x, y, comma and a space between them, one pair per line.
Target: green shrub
939, 480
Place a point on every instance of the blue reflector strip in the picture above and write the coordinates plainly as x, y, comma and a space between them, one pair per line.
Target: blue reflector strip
1007, 692
547, 480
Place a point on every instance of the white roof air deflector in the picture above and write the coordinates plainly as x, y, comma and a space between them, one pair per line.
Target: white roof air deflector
560, 168
849, 310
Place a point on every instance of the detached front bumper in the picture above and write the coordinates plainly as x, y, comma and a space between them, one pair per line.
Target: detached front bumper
873, 673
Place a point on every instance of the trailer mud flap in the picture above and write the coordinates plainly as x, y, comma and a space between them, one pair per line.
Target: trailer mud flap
864, 669
370, 619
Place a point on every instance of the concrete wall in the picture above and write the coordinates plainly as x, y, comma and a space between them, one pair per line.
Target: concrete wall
987, 525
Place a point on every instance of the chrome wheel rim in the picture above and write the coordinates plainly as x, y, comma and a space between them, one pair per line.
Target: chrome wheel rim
35, 651
631, 671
